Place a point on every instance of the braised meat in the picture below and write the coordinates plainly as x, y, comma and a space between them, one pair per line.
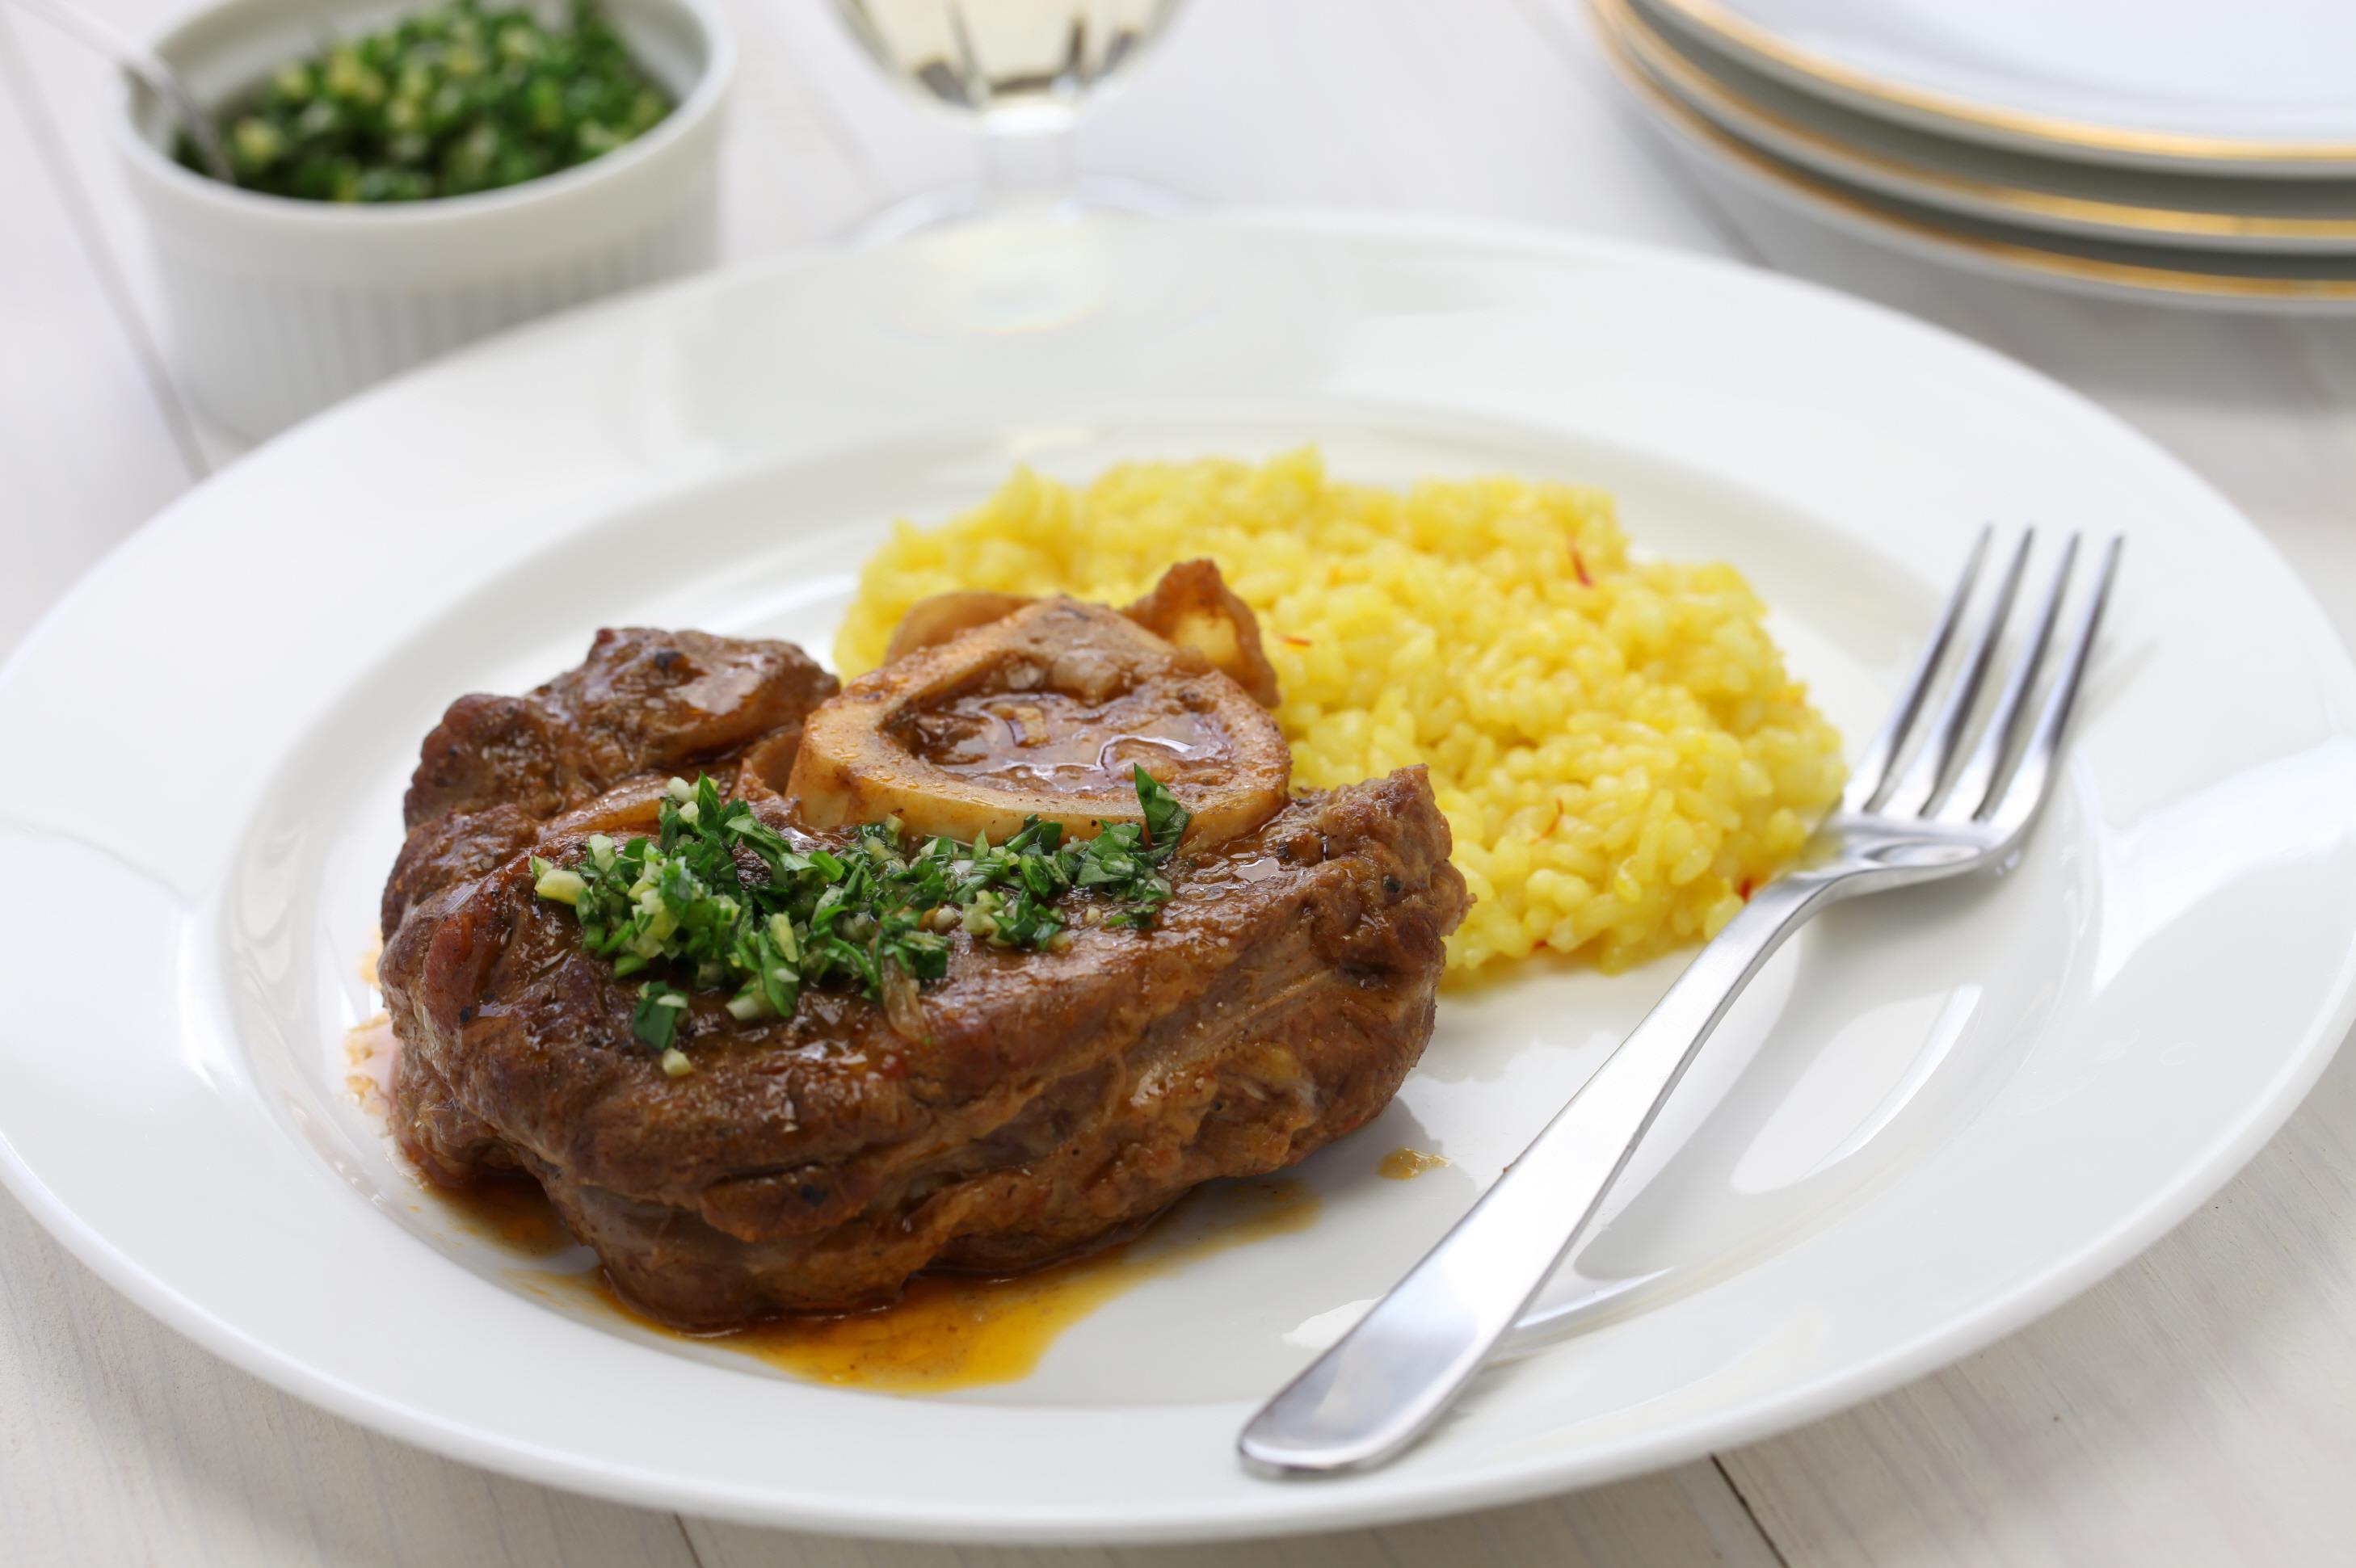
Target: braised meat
644, 706
1192, 607
1041, 1101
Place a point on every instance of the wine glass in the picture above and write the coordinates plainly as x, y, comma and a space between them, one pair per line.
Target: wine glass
1016, 70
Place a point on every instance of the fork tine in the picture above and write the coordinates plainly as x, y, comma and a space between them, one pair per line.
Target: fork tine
1945, 738
1963, 799
1873, 766
2016, 805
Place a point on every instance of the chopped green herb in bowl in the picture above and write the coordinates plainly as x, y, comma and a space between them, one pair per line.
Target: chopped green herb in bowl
455, 100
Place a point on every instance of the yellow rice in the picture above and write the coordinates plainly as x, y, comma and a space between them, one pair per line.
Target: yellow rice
1619, 750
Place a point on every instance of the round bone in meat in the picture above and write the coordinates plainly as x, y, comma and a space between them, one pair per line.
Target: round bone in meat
1043, 713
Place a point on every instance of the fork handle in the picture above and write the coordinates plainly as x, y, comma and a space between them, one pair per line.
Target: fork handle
1390, 1377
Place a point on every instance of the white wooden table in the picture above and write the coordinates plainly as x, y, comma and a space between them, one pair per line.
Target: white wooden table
2199, 1407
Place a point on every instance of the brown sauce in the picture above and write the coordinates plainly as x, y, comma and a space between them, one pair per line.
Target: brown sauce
1046, 740
510, 1210
1404, 1164
954, 1331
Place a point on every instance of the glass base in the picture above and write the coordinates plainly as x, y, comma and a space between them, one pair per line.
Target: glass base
971, 201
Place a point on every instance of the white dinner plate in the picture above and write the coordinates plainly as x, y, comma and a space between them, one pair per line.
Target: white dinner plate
2128, 205
1935, 1116
2257, 86
1741, 170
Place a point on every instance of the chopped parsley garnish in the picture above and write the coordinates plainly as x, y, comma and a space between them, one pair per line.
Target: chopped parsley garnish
721, 901
463, 97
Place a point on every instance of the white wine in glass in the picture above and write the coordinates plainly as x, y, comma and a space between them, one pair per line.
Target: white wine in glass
1017, 71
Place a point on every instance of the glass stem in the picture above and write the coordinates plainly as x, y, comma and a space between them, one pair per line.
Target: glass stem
1029, 166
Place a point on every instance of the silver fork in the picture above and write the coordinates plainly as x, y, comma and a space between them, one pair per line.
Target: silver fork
1910, 814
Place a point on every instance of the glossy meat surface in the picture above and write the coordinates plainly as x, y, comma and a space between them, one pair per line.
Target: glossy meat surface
643, 705
816, 1162
1192, 607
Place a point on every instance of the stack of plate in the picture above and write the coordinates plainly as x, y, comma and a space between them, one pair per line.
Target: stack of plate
2169, 149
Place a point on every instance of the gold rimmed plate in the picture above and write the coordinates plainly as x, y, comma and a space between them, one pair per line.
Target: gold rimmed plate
2136, 206
2264, 88
2185, 275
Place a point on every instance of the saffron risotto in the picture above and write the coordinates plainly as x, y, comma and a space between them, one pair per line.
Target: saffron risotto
1620, 751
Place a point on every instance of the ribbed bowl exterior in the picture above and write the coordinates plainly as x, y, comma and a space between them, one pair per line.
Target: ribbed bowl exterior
260, 352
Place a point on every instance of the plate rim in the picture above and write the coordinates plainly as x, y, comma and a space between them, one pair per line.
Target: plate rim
1856, 210
1957, 115
1405, 1496
1901, 175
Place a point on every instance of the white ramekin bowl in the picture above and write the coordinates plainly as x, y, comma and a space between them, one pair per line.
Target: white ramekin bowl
276, 307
